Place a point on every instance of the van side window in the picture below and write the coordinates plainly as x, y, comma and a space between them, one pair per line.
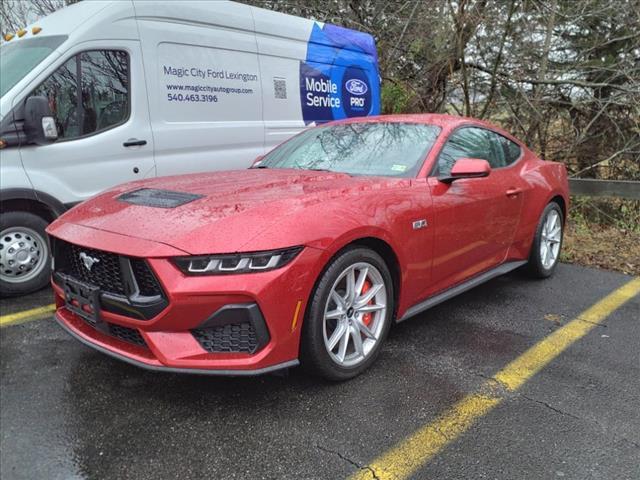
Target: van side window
103, 99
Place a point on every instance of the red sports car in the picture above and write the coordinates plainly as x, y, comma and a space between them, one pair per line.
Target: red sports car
310, 255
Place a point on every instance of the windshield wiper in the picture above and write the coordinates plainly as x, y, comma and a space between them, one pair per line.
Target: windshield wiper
259, 166
327, 170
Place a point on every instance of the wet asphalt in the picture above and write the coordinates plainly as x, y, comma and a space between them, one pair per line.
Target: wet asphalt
68, 412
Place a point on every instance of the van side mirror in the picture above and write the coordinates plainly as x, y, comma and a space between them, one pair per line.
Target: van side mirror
39, 123
467, 168
257, 161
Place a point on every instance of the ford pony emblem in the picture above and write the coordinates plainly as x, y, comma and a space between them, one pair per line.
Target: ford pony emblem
88, 261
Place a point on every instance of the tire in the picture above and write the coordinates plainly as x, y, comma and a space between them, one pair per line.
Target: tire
330, 319
25, 256
540, 265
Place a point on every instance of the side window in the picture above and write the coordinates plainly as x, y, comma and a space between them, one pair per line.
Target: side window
498, 157
101, 102
467, 142
61, 89
512, 150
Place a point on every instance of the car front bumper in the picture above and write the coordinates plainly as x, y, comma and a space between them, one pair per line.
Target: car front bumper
169, 341
143, 359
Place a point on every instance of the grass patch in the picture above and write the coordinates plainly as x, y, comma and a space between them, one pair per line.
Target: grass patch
603, 233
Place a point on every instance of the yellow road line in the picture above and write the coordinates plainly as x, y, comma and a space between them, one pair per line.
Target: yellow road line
26, 315
412, 453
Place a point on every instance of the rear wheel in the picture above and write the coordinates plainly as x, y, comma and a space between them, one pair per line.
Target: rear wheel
25, 256
547, 243
349, 315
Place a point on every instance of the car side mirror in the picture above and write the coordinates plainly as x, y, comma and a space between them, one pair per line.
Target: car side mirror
467, 168
39, 123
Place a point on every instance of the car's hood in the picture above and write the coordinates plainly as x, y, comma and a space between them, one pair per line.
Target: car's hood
233, 209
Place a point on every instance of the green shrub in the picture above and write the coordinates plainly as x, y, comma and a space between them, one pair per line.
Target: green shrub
395, 98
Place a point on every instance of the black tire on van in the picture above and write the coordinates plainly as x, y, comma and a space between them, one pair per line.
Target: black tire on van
25, 254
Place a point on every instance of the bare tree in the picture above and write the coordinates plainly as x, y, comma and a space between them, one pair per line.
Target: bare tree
16, 14
562, 74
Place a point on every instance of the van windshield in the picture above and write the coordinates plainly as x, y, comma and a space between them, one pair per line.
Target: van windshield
19, 58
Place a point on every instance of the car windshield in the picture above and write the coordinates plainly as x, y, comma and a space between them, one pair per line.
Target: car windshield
20, 57
390, 149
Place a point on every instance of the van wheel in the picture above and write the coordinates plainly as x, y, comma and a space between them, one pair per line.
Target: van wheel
25, 256
349, 315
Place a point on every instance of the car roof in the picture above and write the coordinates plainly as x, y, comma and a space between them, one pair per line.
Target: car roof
446, 122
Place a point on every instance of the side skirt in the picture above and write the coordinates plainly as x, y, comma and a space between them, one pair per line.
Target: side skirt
460, 288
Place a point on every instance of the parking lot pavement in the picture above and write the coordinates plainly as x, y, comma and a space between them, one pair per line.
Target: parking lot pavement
70, 412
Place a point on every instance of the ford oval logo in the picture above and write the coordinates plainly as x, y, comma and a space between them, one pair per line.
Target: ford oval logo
356, 87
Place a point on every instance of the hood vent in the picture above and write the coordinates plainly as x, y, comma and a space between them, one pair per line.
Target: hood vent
153, 197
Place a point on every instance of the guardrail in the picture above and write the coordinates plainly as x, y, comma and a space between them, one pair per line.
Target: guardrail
605, 188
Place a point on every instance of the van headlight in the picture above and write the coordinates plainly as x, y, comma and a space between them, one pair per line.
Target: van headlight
226, 264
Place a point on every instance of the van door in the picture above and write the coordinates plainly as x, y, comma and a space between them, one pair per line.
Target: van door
204, 84
282, 51
96, 92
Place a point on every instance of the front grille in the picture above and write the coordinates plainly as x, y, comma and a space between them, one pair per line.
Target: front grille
126, 334
239, 338
107, 273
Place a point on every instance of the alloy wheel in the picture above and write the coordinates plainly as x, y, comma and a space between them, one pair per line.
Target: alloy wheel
551, 239
355, 314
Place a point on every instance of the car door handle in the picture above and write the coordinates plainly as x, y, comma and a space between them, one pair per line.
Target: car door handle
134, 142
512, 192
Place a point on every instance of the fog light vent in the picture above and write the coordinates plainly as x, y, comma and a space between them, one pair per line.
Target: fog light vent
126, 334
231, 338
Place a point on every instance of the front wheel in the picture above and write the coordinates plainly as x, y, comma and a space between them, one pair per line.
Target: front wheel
349, 315
25, 257
547, 242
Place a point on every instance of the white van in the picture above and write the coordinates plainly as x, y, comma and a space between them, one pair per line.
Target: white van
104, 92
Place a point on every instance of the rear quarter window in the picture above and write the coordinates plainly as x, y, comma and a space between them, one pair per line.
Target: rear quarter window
512, 150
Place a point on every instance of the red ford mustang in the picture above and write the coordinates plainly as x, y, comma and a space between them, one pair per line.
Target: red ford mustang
310, 255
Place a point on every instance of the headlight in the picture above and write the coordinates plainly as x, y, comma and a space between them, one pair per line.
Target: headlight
236, 263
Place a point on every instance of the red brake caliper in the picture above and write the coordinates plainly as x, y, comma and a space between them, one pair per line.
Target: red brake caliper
367, 317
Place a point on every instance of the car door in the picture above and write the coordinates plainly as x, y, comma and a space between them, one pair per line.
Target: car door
474, 218
504, 153
97, 96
